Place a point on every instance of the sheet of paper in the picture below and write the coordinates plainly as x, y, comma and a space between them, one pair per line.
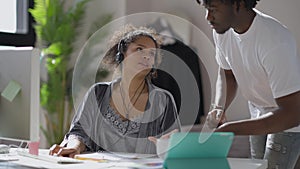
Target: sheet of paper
35, 163
7, 157
113, 156
127, 160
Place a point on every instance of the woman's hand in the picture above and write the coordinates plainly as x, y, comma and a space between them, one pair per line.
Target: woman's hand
74, 146
64, 151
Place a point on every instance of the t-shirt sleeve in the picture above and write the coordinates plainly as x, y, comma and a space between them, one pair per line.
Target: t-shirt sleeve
282, 65
220, 56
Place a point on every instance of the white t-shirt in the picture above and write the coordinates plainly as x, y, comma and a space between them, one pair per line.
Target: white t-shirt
264, 61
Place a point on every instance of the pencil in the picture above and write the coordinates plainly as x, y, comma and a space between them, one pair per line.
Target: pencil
91, 159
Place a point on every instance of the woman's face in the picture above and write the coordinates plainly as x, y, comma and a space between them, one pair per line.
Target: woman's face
140, 56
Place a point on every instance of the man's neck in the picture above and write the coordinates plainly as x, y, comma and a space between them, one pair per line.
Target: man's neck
244, 21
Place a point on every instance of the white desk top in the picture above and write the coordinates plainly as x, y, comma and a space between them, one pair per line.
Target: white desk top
245, 163
24, 162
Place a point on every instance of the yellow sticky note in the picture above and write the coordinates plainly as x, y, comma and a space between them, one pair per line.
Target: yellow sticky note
11, 90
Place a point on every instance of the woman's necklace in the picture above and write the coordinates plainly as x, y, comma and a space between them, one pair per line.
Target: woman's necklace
127, 108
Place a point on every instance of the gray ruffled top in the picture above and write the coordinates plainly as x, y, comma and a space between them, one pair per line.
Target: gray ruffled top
100, 128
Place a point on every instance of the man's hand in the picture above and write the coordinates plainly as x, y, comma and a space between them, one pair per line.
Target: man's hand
215, 118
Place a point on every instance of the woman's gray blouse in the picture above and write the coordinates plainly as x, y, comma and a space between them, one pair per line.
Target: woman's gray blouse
98, 126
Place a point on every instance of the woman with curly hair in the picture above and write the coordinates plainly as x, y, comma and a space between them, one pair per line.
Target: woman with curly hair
120, 115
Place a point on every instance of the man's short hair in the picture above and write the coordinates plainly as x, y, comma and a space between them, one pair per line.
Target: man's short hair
249, 4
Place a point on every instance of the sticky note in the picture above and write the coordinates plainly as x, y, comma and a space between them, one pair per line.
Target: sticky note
11, 90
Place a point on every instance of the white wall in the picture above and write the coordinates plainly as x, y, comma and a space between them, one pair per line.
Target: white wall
286, 11
94, 10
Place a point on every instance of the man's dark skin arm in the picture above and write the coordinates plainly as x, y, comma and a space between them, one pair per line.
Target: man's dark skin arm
285, 117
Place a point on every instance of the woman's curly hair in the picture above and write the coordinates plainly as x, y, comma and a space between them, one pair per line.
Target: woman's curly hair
129, 34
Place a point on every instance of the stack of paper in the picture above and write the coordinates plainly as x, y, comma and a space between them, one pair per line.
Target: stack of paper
123, 159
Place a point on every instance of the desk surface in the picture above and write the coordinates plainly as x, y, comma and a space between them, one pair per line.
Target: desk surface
27, 163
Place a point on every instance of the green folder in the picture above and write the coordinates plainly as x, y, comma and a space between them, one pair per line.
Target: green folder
185, 151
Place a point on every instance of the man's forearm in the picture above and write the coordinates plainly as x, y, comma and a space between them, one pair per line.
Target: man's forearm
226, 88
271, 122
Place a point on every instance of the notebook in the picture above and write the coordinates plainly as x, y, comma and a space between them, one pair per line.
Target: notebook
185, 150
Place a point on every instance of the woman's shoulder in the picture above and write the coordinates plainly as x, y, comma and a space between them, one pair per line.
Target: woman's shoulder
99, 87
105, 84
160, 91
101, 84
163, 96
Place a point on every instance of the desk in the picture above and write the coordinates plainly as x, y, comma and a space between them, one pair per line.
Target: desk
27, 163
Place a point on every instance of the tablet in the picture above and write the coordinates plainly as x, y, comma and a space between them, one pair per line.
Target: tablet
187, 151
187, 145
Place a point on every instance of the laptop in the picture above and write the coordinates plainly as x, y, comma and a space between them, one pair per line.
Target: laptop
187, 151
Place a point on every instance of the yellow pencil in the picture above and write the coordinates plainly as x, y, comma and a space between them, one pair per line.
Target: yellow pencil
91, 159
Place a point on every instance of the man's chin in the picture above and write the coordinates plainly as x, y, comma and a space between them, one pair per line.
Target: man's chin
221, 31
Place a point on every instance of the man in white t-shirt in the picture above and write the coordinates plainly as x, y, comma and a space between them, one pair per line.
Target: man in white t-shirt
258, 55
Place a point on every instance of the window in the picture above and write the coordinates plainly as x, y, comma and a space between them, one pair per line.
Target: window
16, 27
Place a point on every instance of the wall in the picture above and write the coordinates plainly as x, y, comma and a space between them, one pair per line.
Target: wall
94, 10
286, 11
